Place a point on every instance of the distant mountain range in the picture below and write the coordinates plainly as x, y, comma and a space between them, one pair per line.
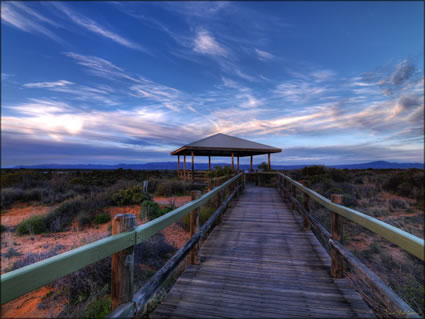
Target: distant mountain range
204, 166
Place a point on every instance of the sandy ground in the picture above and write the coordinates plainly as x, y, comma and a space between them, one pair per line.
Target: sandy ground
26, 306
167, 201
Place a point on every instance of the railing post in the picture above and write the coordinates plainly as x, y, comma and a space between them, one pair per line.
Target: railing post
244, 180
293, 194
194, 227
122, 263
337, 267
306, 208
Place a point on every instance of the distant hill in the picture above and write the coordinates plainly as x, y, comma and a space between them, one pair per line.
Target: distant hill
204, 166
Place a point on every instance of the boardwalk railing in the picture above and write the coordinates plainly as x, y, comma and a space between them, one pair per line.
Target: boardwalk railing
23, 280
395, 305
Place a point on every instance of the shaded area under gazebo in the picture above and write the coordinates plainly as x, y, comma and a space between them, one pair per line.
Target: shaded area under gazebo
222, 145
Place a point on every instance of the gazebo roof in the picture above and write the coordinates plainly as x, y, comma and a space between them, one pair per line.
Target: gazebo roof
224, 145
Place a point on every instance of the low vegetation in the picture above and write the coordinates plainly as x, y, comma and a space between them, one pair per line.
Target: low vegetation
395, 197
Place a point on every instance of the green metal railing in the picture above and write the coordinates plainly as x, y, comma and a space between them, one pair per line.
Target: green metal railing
23, 280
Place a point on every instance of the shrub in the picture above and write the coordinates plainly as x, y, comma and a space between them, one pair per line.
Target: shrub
102, 219
264, 166
79, 286
35, 257
83, 219
153, 251
99, 308
130, 196
349, 201
398, 203
170, 188
313, 170
12, 252
150, 210
2, 228
334, 190
32, 225
63, 215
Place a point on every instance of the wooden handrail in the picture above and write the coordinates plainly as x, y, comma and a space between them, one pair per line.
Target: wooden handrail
401, 238
23, 280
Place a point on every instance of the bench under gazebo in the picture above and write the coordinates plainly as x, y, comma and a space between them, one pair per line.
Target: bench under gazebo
222, 145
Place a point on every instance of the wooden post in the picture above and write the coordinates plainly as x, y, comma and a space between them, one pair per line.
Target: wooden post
178, 165
220, 199
233, 161
306, 223
251, 164
293, 192
193, 165
268, 156
337, 267
184, 166
194, 227
209, 163
122, 263
238, 163
244, 180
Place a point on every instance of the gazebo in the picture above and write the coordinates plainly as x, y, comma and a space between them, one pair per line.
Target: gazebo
222, 145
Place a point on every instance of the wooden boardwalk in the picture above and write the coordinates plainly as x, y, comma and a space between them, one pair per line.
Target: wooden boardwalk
260, 263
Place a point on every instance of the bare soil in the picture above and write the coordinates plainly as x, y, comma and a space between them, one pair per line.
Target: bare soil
26, 306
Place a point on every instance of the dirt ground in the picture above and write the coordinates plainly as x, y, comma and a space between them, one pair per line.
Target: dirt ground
26, 306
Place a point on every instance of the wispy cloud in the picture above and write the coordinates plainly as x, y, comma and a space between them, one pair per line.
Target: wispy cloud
299, 91
22, 17
205, 43
263, 55
48, 84
95, 27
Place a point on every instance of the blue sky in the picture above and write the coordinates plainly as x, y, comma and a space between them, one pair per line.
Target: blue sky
128, 82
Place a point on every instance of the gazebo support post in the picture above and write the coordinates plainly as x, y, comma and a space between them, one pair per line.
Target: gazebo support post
178, 165
233, 161
209, 163
268, 155
184, 166
238, 163
251, 164
193, 165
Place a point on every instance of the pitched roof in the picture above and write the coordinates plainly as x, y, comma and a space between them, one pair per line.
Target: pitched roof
224, 145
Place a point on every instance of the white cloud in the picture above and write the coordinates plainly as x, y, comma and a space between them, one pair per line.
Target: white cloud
95, 27
48, 84
299, 91
205, 43
323, 75
25, 19
263, 55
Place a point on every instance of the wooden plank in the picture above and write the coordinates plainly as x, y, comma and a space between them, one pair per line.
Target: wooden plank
261, 263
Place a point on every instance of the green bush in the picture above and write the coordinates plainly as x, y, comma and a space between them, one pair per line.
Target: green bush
170, 188
150, 210
32, 225
130, 196
313, 170
220, 171
102, 219
83, 219
264, 166
63, 215
99, 308
349, 201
